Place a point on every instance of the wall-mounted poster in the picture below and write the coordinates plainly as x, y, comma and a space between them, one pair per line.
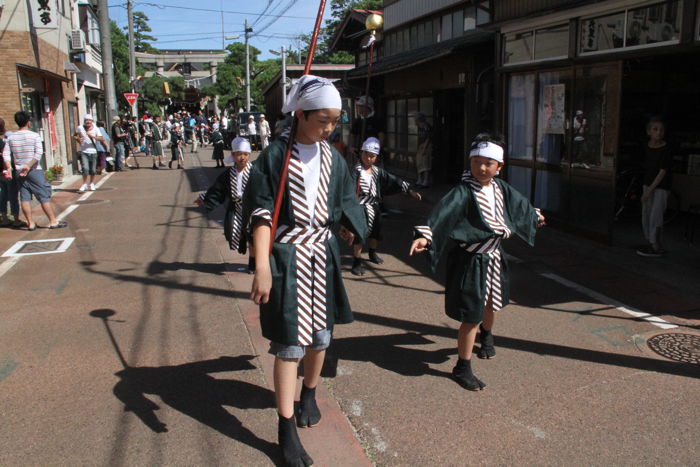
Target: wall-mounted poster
553, 108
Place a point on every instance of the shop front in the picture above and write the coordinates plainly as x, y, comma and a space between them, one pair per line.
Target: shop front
578, 89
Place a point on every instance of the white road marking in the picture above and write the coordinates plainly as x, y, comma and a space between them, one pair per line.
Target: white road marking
14, 249
655, 320
68, 210
7, 264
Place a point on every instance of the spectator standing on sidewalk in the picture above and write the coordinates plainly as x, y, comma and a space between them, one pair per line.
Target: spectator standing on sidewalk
155, 127
25, 147
8, 188
119, 139
658, 161
102, 148
476, 216
264, 132
87, 135
253, 133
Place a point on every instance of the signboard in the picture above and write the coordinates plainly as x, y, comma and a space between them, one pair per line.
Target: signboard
131, 97
44, 13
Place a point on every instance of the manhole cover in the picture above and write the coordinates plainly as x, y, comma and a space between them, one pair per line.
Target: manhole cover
40, 247
677, 346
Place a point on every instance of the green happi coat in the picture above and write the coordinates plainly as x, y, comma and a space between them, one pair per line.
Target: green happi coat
279, 316
457, 219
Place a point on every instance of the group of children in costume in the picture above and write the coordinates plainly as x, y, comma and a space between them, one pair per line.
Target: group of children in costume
298, 282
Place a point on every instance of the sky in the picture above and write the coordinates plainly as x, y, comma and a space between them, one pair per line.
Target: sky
182, 24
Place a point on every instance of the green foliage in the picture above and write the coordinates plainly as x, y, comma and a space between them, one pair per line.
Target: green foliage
230, 77
141, 28
120, 57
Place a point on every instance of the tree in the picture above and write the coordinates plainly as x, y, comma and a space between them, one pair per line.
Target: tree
230, 77
141, 28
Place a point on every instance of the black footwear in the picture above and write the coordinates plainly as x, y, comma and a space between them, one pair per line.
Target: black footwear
487, 349
293, 452
357, 268
155, 167
308, 414
179, 166
649, 251
374, 257
170, 164
462, 373
251, 265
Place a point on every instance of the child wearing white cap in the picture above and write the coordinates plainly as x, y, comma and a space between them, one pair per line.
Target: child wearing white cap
230, 186
372, 183
477, 215
299, 286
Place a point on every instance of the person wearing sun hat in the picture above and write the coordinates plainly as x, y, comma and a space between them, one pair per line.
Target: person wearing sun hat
299, 308
475, 217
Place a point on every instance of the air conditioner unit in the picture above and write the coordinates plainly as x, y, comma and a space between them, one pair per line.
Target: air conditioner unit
77, 39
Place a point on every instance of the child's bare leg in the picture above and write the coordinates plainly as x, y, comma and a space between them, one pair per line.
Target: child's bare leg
462, 372
357, 250
309, 415
373, 242
357, 267
487, 349
285, 374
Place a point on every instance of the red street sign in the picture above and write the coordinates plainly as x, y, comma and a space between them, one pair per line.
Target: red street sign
131, 97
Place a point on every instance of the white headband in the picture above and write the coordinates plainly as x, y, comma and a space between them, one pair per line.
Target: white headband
312, 93
487, 149
371, 144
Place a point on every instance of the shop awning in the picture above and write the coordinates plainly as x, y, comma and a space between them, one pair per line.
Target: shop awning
425, 54
45, 73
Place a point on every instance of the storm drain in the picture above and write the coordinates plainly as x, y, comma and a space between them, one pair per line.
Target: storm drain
39, 247
677, 346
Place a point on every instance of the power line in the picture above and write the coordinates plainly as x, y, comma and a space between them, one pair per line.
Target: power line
163, 6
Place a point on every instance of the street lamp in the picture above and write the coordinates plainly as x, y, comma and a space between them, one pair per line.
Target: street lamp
282, 53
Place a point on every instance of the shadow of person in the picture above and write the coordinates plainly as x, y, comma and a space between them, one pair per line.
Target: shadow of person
390, 352
190, 389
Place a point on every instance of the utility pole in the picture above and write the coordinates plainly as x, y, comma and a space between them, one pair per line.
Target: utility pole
247, 66
132, 55
107, 67
282, 53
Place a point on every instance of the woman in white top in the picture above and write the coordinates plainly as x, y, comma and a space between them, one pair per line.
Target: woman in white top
88, 135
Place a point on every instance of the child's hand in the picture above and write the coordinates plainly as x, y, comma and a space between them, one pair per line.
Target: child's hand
346, 235
199, 201
540, 219
419, 245
415, 194
262, 283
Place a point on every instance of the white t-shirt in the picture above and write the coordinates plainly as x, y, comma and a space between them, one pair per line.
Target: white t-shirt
367, 178
86, 144
310, 157
224, 123
252, 129
490, 193
239, 182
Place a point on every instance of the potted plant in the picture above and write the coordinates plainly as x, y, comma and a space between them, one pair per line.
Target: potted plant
57, 172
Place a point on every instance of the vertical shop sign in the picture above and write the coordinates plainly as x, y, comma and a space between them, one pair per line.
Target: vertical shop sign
44, 13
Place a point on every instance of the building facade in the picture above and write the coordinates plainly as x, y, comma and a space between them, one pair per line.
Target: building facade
578, 81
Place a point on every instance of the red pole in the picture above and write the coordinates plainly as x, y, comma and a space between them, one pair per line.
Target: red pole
293, 130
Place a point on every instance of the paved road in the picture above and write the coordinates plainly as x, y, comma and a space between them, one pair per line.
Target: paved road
138, 345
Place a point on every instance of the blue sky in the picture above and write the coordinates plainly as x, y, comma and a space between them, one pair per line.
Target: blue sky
181, 24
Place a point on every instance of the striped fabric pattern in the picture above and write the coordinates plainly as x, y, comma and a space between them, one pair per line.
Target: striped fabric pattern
237, 230
424, 231
496, 222
309, 235
24, 146
368, 193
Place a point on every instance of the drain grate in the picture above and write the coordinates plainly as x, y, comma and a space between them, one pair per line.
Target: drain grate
39, 247
677, 346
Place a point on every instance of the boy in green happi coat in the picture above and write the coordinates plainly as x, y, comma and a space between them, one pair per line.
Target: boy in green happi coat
477, 215
299, 286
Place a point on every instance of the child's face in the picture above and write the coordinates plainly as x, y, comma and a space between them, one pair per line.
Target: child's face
368, 159
656, 131
240, 158
484, 168
318, 126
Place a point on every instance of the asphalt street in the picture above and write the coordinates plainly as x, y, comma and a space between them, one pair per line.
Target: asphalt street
138, 345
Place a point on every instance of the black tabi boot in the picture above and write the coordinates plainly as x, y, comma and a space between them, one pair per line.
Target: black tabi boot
487, 349
293, 452
374, 257
251, 265
462, 373
357, 268
308, 414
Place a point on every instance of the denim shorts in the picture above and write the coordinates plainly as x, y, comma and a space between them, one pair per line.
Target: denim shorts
89, 162
320, 341
34, 184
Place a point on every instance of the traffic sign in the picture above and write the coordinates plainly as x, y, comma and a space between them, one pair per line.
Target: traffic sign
131, 97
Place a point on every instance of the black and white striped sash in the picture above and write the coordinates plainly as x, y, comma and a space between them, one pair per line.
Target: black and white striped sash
309, 235
368, 193
237, 203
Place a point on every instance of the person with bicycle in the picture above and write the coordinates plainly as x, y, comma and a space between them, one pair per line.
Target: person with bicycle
656, 181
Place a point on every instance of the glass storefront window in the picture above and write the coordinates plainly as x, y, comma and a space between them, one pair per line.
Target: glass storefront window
521, 112
469, 18
654, 24
457, 23
603, 33
552, 42
518, 47
483, 14
446, 27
